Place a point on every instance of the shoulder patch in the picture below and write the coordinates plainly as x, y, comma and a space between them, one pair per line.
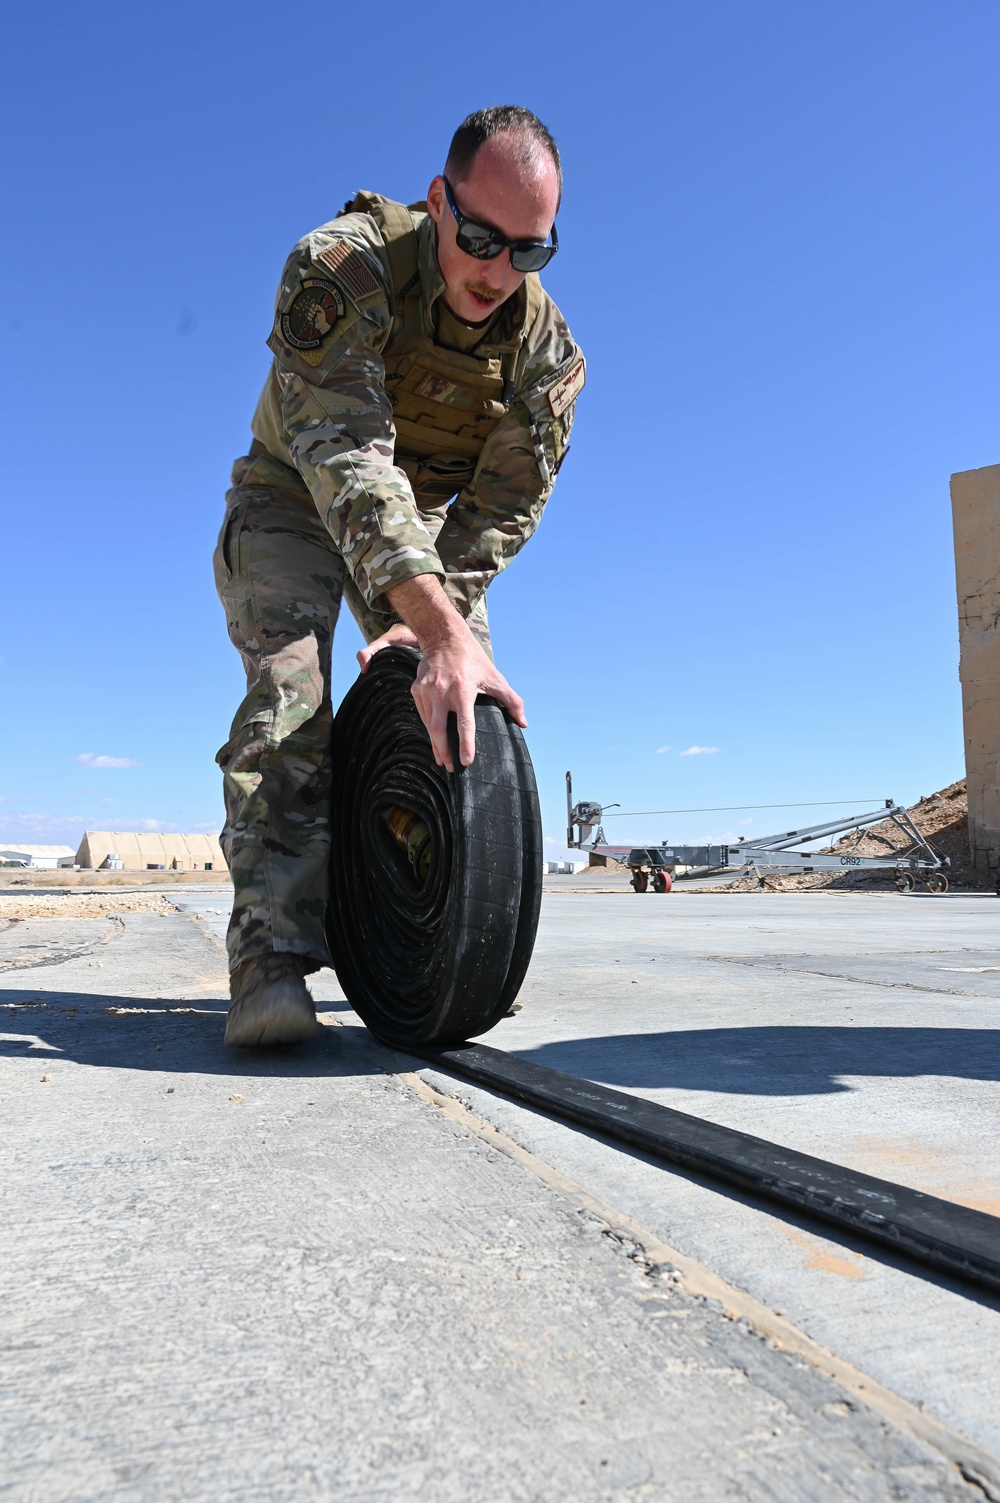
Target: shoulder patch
565, 391
349, 266
312, 314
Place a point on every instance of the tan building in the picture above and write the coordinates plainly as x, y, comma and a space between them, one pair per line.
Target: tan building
134, 851
975, 505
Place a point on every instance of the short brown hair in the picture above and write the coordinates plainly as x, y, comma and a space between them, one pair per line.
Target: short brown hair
500, 119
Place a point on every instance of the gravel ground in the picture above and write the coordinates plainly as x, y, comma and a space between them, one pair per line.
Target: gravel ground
80, 905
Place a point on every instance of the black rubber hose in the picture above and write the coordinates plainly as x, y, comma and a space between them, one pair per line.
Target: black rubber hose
436, 878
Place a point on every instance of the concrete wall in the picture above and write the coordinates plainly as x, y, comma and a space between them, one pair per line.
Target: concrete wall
975, 505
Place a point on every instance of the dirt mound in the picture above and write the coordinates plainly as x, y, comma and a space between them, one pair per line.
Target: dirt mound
81, 905
609, 865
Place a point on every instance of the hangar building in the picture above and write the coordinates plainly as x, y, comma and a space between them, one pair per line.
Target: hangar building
41, 857
134, 851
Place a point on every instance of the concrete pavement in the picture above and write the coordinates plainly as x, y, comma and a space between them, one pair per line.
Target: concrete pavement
860, 1028
288, 1275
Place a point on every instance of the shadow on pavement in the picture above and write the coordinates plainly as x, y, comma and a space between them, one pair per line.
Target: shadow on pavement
156, 1033
773, 1061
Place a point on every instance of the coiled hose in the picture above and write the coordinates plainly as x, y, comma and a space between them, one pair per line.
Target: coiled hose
436, 877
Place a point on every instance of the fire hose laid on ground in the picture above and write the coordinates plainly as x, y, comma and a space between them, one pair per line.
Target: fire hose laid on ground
435, 895
436, 877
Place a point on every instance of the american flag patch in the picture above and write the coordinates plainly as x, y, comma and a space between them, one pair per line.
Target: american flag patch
349, 267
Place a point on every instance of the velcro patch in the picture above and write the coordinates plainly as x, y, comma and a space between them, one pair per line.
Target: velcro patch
350, 268
568, 388
439, 389
312, 314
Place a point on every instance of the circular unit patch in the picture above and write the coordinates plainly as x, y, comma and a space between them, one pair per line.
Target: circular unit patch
312, 314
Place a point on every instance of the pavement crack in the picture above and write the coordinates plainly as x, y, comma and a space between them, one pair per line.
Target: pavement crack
60, 955
656, 1259
803, 970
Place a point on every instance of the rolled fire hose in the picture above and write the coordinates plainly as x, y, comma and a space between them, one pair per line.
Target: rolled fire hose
436, 877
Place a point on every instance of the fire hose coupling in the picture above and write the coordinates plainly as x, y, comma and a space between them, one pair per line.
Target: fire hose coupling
413, 837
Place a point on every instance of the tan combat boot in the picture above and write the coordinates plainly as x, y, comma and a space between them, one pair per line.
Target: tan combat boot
271, 1003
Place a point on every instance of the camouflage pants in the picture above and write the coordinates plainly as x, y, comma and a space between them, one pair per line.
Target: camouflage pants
281, 580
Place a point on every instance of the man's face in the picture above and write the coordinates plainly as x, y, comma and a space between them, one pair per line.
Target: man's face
500, 191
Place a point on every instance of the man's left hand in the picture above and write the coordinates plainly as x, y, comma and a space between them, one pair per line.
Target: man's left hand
397, 636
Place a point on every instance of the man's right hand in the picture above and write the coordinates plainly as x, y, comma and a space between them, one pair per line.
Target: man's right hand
453, 671
448, 680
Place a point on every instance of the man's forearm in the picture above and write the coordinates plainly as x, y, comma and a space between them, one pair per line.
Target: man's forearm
422, 604
454, 669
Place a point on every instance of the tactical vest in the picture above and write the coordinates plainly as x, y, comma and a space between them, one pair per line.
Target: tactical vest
445, 403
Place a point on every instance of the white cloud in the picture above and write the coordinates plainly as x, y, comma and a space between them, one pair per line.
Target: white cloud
69, 827
41, 827
746, 821
661, 749
89, 760
557, 850
698, 751
43, 821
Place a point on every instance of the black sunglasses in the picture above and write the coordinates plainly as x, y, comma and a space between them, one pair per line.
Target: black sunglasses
484, 243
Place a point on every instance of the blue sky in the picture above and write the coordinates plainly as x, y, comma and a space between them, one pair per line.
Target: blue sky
778, 253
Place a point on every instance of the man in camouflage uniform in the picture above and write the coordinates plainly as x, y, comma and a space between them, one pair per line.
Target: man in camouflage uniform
408, 436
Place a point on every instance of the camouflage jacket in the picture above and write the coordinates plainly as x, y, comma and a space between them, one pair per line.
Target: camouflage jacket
324, 423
